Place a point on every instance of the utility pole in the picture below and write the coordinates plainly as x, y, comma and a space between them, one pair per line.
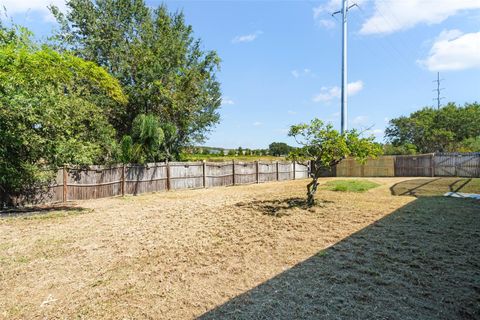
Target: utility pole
344, 104
438, 90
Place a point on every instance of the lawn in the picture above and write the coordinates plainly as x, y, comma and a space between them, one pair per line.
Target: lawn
246, 252
350, 185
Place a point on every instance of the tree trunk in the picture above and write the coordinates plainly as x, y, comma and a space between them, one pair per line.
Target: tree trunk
311, 190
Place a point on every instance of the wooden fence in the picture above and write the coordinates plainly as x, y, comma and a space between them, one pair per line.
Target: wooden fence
424, 165
380, 167
75, 183
83, 183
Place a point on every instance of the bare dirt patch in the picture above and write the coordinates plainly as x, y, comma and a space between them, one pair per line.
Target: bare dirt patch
181, 255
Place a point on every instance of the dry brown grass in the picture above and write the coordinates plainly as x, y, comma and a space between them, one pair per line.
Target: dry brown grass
180, 255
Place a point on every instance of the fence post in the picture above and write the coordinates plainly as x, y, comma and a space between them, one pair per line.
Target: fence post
123, 180
256, 171
276, 165
65, 178
432, 165
168, 175
233, 172
204, 167
294, 169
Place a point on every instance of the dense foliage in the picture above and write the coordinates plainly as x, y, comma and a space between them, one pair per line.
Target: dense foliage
156, 58
50, 112
326, 147
448, 129
279, 149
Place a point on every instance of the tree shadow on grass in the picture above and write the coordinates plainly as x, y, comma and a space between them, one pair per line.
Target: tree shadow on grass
280, 207
41, 210
433, 186
419, 262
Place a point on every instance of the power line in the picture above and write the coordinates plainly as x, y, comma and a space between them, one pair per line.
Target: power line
438, 90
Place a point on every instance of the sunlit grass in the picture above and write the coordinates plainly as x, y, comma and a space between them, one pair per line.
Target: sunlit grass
350, 185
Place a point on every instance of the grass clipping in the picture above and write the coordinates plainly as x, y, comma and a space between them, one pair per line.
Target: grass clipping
350, 185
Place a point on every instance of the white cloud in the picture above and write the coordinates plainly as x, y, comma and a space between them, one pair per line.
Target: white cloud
328, 93
453, 50
302, 73
375, 132
395, 15
360, 120
257, 123
247, 38
40, 6
325, 23
292, 112
227, 101
354, 87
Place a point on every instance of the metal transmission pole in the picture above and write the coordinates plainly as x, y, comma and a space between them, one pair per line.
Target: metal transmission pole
344, 104
438, 90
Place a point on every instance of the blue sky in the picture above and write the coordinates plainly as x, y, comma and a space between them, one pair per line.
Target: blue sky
281, 59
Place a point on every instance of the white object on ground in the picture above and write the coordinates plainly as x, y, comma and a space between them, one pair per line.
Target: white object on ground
462, 195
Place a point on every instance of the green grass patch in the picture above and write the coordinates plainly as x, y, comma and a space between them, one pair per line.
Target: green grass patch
350, 185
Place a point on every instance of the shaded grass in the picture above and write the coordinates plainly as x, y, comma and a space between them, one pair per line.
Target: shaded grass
350, 185
436, 186
419, 262
43, 214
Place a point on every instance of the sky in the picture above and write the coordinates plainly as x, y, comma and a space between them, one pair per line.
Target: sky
281, 60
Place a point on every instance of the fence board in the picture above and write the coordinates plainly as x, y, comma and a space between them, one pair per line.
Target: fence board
301, 170
245, 173
457, 164
267, 171
93, 182
186, 175
380, 167
150, 178
414, 166
218, 174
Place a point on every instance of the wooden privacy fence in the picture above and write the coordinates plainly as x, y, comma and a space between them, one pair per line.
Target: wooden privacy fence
380, 167
74, 183
424, 165
83, 183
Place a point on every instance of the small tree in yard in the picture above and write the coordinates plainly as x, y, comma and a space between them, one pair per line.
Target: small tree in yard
326, 147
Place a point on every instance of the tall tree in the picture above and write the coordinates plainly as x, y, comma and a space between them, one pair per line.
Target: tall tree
155, 56
49, 113
436, 130
326, 147
279, 149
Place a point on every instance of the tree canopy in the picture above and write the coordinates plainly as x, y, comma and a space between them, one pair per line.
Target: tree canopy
156, 58
326, 147
448, 129
279, 149
49, 114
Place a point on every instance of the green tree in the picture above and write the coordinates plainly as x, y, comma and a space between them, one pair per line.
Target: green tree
144, 145
49, 114
279, 149
326, 147
156, 58
432, 130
